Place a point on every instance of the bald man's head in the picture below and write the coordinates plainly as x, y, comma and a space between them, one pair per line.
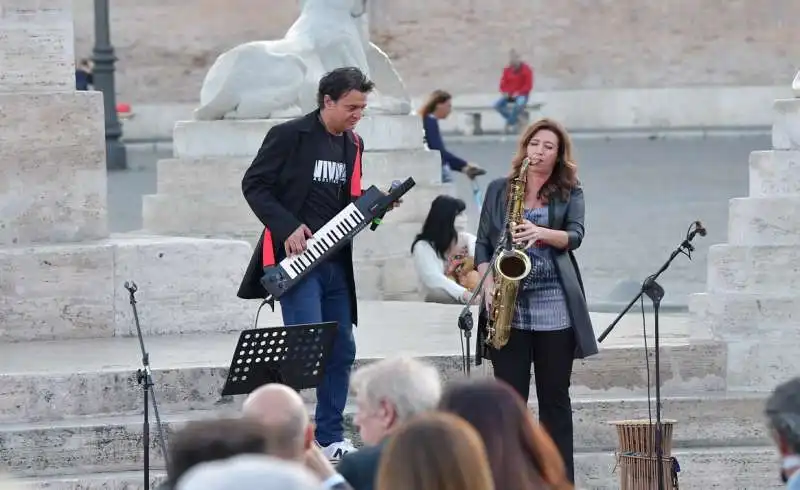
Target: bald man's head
282, 412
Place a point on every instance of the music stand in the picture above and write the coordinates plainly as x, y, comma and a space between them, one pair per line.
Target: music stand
293, 355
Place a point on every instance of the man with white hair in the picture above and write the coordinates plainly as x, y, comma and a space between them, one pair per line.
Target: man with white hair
783, 412
388, 393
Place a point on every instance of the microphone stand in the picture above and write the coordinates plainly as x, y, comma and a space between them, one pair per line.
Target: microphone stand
145, 380
655, 292
465, 320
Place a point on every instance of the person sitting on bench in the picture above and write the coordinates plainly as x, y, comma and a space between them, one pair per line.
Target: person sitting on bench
516, 86
438, 106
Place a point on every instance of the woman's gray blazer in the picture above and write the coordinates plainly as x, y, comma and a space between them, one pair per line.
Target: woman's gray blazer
564, 215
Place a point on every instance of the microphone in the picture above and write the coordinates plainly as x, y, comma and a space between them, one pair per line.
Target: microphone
379, 219
700, 228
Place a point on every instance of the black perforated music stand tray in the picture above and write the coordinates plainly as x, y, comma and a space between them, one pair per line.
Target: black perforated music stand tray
294, 355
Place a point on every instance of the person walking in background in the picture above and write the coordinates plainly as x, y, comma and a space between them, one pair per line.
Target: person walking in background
516, 85
83, 74
438, 106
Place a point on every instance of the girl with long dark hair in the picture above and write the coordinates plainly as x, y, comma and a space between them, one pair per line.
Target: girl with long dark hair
443, 256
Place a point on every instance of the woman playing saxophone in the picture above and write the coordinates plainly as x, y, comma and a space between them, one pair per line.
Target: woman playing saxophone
550, 325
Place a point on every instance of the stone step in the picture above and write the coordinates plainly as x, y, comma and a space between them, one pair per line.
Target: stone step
786, 125
739, 316
774, 172
243, 138
77, 291
761, 338
224, 174
114, 443
389, 240
701, 469
53, 172
55, 380
392, 279
764, 220
762, 269
199, 215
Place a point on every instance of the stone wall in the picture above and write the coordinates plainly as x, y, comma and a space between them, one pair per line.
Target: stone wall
165, 46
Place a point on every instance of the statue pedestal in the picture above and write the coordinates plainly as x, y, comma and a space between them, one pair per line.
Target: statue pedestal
752, 298
199, 193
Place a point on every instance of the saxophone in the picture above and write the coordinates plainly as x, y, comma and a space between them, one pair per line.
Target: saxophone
511, 266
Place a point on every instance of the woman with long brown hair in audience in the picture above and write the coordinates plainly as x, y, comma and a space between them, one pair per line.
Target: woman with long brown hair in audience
435, 451
521, 454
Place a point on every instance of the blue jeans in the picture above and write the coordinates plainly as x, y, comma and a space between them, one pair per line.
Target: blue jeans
517, 106
323, 296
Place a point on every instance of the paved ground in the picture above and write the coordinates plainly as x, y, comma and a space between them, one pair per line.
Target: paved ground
641, 195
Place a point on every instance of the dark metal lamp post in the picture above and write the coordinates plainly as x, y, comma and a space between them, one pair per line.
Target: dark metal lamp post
103, 75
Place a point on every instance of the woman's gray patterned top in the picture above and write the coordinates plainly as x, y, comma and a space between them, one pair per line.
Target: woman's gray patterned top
541, 304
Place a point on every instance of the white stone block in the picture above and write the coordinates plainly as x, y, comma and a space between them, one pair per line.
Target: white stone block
243, 138
382, 167
392, 279
37, 51
387, 241
52, 168
202, 215
213, 174
786, 126
737, 317
77, 290
202, 175
764, 221
185, 285
758, 365
774, 172
759, 269
417, 203
61, 291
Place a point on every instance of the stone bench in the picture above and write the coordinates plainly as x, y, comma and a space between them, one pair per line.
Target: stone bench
475, 114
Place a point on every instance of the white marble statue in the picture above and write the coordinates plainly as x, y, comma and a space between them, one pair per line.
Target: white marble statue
278, 78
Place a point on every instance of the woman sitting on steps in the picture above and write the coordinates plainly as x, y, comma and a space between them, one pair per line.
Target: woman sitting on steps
443, 257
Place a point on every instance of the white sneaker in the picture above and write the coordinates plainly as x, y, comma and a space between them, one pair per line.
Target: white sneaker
336, 450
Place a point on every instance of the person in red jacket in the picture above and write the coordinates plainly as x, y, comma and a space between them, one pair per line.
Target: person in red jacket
515, 85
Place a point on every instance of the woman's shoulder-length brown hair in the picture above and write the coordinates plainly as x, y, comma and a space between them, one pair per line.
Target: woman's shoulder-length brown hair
565, 173
434, 451
521, 453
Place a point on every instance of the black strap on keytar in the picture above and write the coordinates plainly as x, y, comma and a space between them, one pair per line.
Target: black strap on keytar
145, 379
655, 292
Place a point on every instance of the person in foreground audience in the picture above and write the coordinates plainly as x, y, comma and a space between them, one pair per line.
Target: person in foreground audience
521, 454
443, 256
249, 472
435, 451
210, 440
388, 393
783, 414
288, 432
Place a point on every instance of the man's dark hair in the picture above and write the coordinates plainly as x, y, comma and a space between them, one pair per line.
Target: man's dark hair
337, 83
211, 440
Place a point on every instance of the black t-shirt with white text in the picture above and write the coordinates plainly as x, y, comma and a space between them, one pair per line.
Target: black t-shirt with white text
327, 195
